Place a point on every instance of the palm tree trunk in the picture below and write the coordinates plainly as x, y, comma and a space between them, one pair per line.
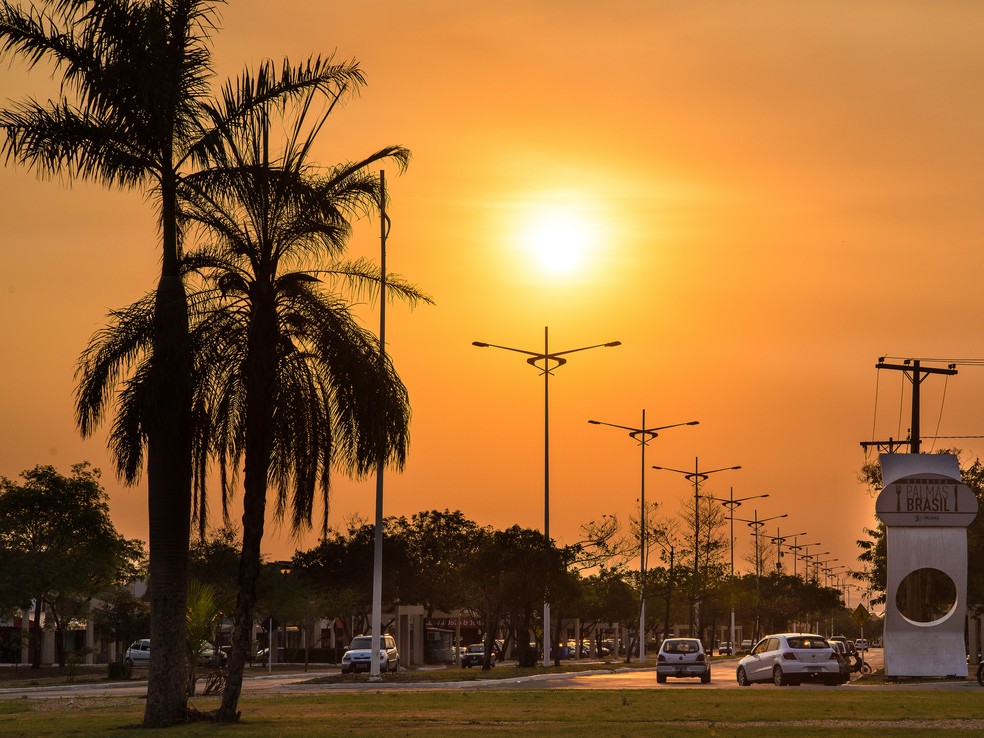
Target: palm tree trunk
169, 484
260, 403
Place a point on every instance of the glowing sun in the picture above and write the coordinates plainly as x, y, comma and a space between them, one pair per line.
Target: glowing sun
559, 236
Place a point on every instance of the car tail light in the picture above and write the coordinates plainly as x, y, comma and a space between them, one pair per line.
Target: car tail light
789, 656
700, 658
834, 656
661, 657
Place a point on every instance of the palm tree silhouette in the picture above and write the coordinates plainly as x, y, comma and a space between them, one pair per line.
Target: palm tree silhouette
140, 115
286, 380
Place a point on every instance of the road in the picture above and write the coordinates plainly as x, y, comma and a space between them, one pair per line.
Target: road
722, 677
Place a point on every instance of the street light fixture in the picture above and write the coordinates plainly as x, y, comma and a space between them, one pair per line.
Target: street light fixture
551, 361
696, 477
756, 524
731, 503
795, 548
779, 542
643, 436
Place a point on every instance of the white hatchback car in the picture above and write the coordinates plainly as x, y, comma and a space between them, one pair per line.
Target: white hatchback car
138, 654
790, 658
358, 656
682, 657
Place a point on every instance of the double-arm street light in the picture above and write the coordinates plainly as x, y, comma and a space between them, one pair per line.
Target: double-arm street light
756, 525
546, 361
731, 503
642, 436
779, 541
796, 548
696, 477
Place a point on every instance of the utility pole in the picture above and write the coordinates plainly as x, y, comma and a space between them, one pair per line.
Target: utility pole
915, 373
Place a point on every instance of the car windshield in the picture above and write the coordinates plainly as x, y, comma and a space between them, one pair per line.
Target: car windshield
362, 642
808, 642
681, 646
479, 648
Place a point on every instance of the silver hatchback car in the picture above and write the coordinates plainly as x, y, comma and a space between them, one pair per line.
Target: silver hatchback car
790, 658
682, 657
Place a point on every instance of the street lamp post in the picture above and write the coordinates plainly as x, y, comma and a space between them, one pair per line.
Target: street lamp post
756, 523
779, 542
696, 477
551, 361
796, 549
643, 436
731, 503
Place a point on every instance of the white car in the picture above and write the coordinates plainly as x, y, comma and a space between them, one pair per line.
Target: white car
682, 657
790, 658
358, 656
138, 654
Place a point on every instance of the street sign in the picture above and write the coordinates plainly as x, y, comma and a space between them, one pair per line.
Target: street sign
860, 615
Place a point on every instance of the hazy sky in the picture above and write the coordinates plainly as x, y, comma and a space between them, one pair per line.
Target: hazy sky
765, 198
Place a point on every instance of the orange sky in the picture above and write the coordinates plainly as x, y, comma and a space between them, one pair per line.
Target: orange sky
779, 192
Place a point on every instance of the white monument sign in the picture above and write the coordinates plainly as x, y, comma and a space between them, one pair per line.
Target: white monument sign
926, 510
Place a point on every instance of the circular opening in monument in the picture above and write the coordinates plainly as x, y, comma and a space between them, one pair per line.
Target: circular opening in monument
926, 596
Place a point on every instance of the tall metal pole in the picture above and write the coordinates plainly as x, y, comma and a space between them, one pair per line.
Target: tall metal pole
546, 357
377, 560
643, 436
642, 546
547, 643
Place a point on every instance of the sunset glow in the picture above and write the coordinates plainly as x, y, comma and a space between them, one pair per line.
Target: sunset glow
757, 199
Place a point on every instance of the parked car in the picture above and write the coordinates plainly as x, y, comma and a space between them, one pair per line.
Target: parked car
138, 654
474, 655
746, 646
725, 649
843, 656
358, 656
682, 657
790, 658
861, 644
212, 658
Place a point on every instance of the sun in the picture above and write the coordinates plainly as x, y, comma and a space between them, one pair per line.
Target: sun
559, 236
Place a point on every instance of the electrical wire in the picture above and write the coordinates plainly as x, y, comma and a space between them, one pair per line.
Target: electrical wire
874, 416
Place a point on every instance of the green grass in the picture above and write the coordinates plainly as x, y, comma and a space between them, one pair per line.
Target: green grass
560, 713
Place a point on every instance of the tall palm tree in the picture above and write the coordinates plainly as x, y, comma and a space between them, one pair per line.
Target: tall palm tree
299, 388
286, 380
140, 115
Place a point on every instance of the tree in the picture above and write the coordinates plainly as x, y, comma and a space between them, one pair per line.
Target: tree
294, 386
59, 532
204, 611
140, 116
437, 546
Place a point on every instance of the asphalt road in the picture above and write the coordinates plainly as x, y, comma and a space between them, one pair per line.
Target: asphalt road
722, 677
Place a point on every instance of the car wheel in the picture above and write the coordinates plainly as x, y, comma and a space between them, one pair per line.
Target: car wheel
661, 678
128, 662
743, 678
778, 677
705, 678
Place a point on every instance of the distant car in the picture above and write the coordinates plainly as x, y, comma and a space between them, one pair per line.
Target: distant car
861, 644
725, 649
682, 657
210, 657
790, 658
474, 655
746, 645
358, 656
138, 654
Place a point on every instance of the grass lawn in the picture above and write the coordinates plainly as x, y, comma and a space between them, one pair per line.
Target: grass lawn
566, 713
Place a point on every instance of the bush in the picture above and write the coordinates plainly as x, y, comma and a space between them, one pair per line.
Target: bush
120, 670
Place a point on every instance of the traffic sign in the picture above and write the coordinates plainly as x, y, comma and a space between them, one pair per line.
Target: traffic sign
860, 615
